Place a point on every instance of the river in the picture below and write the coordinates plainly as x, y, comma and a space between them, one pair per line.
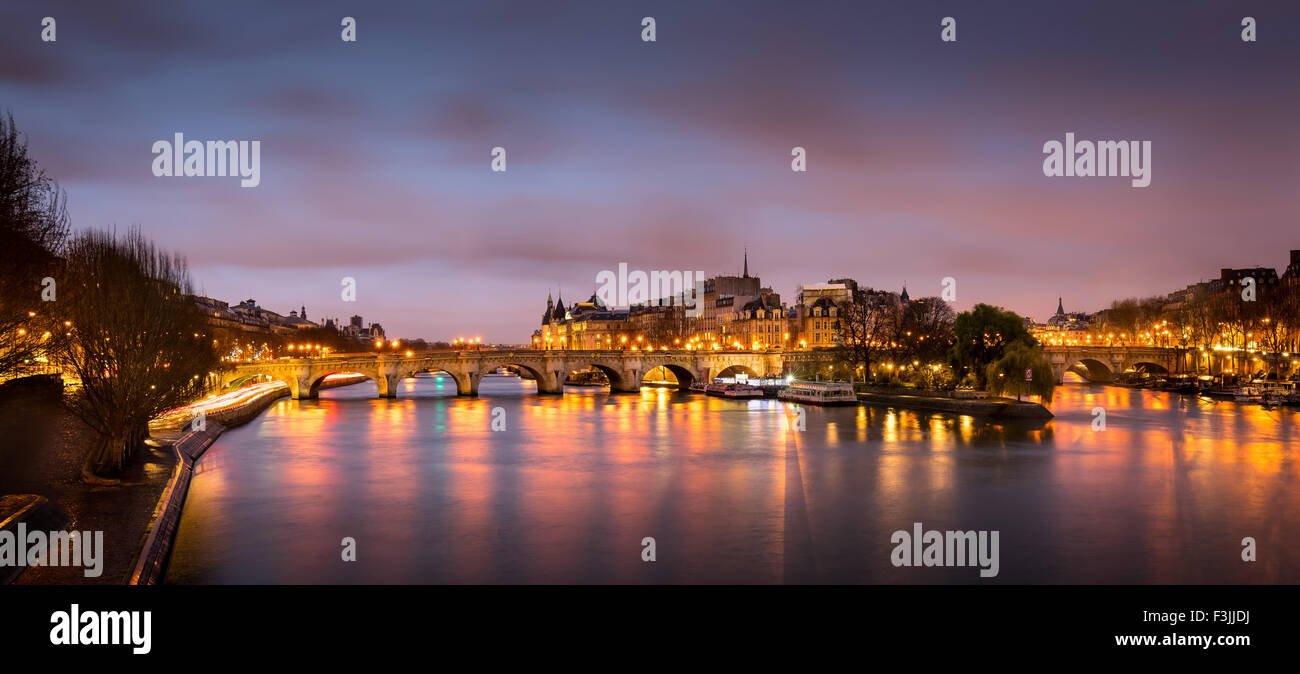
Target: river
567, 492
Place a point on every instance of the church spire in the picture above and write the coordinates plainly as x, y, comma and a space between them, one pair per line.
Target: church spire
1060, 309
746, 262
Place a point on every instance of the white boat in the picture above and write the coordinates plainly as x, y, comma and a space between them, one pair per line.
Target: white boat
1248, 394
819, 393
736, 390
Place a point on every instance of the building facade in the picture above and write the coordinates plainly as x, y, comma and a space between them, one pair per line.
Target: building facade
734, 312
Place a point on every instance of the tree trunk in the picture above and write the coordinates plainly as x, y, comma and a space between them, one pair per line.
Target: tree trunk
134, 441
104, 456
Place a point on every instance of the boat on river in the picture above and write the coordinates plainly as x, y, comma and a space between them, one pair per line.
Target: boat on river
734, 390
592, 378
819, 393
1186, 384
1248, 394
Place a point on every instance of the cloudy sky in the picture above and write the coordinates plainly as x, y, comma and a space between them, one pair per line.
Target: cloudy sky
924, 158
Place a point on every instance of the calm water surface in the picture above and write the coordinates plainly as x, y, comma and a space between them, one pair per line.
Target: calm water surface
567, 493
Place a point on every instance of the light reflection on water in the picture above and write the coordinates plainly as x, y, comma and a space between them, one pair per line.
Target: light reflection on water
569, 490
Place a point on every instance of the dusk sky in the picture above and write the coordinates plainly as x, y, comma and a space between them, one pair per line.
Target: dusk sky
924, 157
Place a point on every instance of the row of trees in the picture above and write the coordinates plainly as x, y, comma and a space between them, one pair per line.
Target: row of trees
1210, 316
110, 310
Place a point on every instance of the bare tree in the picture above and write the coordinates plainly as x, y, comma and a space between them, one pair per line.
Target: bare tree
866, 324
139, 344
927, 328
33, 227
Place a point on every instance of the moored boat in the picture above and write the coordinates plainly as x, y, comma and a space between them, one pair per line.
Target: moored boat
1182, 383
591, 378
819, 393
735, 390
1248, 394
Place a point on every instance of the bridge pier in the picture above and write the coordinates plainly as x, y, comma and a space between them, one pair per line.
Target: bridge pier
300, 388
467, 384
629, 381
387, 385
551, 382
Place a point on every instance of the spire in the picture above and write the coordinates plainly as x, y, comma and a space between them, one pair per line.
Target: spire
746, 261
1060, 309
303, 313
559, 308
904, 298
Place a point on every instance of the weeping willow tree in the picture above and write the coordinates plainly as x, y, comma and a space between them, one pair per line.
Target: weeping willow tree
1022, 370
136, 341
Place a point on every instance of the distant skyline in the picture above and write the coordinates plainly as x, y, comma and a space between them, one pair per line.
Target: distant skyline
924, 158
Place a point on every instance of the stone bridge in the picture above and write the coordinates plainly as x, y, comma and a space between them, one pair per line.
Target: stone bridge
625, 369
1102, 363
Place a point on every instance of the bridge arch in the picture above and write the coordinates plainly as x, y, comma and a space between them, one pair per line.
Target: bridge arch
1091, 369
732, 370
683, 374
239, 378
246, 378
1147, 366
612, 375
314, 387
459, 380
546, 381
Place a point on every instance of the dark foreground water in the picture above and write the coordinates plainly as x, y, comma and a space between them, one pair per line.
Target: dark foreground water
567, 493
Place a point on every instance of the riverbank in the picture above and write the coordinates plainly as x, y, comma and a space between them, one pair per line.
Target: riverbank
151, 563
42, 448
1003, 408
199, 425
231, 408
